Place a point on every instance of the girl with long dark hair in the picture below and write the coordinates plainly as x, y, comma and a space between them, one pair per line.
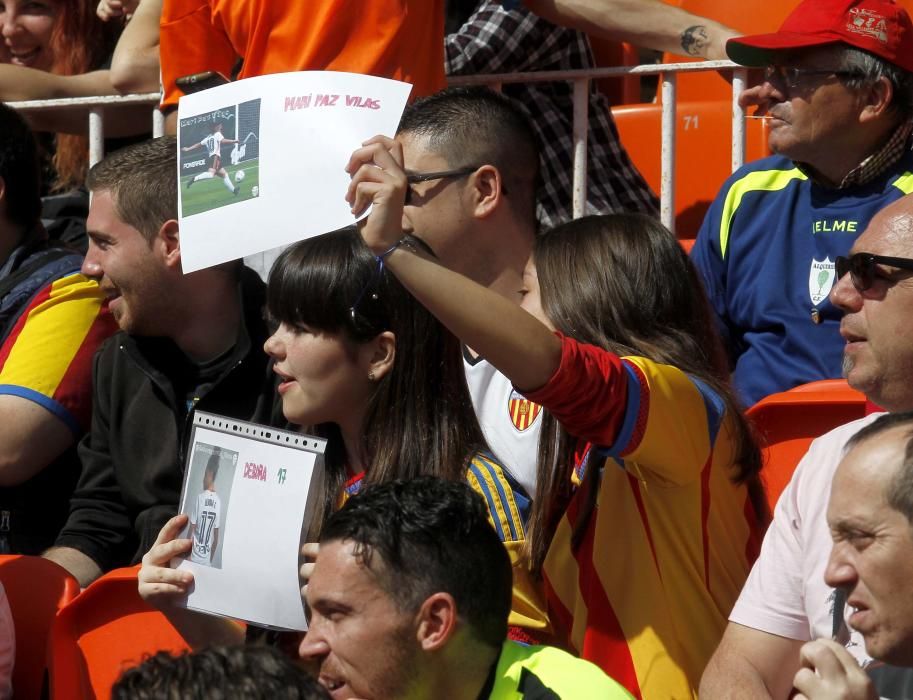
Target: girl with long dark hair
362, 364
649, 509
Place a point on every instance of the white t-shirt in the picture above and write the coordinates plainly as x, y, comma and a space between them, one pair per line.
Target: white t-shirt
206, 516
509, 422
213, 144
785, 593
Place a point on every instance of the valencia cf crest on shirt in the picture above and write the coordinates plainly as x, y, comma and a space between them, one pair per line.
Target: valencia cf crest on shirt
523, 412
820, 279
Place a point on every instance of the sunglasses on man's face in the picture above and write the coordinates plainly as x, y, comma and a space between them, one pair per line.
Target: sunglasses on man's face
863, 266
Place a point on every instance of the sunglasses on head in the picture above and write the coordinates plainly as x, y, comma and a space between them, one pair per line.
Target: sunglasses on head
862, 266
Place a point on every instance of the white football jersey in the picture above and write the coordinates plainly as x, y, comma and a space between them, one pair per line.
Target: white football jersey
509, 422
206, 516
213, 144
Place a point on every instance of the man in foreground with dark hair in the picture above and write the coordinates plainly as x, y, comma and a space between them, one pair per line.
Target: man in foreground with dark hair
52, 319
250, 672
409, 597
187, 342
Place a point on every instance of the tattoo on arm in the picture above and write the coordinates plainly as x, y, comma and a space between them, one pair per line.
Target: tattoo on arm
695, 40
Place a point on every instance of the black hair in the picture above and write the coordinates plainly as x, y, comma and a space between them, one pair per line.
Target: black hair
427, 535
244, 672
212, 464
20, 169
477, 126
419, 419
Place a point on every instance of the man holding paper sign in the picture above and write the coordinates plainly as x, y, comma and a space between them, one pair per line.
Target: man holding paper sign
472, 164
186, 342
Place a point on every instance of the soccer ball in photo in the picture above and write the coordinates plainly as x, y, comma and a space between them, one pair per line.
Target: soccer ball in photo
255, 191
239, 176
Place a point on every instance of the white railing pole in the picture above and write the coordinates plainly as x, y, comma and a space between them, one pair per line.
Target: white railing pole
667, 159
739, 79
158, 123
96, 135
581, 120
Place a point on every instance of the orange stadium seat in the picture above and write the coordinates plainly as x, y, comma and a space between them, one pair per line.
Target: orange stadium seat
787, 423
107, 629
36, 588
703, 152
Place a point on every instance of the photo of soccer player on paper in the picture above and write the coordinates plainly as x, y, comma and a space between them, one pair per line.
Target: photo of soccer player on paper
211, 174
206, 502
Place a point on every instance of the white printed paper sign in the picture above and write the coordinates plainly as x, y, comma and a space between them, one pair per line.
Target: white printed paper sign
261, 161
249, 492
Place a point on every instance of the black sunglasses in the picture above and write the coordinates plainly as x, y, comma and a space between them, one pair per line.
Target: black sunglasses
413, 178
861, 267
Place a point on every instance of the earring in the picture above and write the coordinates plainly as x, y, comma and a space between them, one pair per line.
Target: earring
370, 376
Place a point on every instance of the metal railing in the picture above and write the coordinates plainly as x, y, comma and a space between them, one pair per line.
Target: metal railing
668, 73
581, 80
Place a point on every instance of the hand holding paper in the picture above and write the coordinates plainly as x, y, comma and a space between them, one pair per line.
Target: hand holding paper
159, 584
378, 180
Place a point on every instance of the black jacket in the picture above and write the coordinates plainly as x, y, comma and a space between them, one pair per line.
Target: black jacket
133, 456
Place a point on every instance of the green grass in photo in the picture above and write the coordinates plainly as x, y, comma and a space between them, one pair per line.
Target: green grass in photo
206, 195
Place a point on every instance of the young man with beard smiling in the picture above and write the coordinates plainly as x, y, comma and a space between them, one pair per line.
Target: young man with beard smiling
838, 95
786, 600
409, 598
186, 342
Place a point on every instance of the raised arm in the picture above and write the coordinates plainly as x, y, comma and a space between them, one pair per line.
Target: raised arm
515, 342
135, 65
18, 83
649, 23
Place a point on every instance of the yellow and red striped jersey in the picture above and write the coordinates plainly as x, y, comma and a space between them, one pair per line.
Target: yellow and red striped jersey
47, 356
671, 540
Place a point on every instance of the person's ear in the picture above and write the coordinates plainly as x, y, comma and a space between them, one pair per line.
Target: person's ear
382, 355
877, 99
169, 240
487, 190
437, 621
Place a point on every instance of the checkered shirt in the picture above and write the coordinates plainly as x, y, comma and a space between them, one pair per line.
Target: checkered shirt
497, 40
872, 166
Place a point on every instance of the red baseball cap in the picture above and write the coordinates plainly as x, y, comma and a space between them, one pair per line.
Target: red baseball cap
880, 27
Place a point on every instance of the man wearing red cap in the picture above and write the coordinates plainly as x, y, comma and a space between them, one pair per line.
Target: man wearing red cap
838, 93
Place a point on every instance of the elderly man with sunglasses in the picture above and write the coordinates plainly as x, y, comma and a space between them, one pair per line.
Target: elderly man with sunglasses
837, 92
786, 600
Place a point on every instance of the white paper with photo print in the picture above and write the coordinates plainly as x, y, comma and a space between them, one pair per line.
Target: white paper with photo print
249, 492
261, 161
